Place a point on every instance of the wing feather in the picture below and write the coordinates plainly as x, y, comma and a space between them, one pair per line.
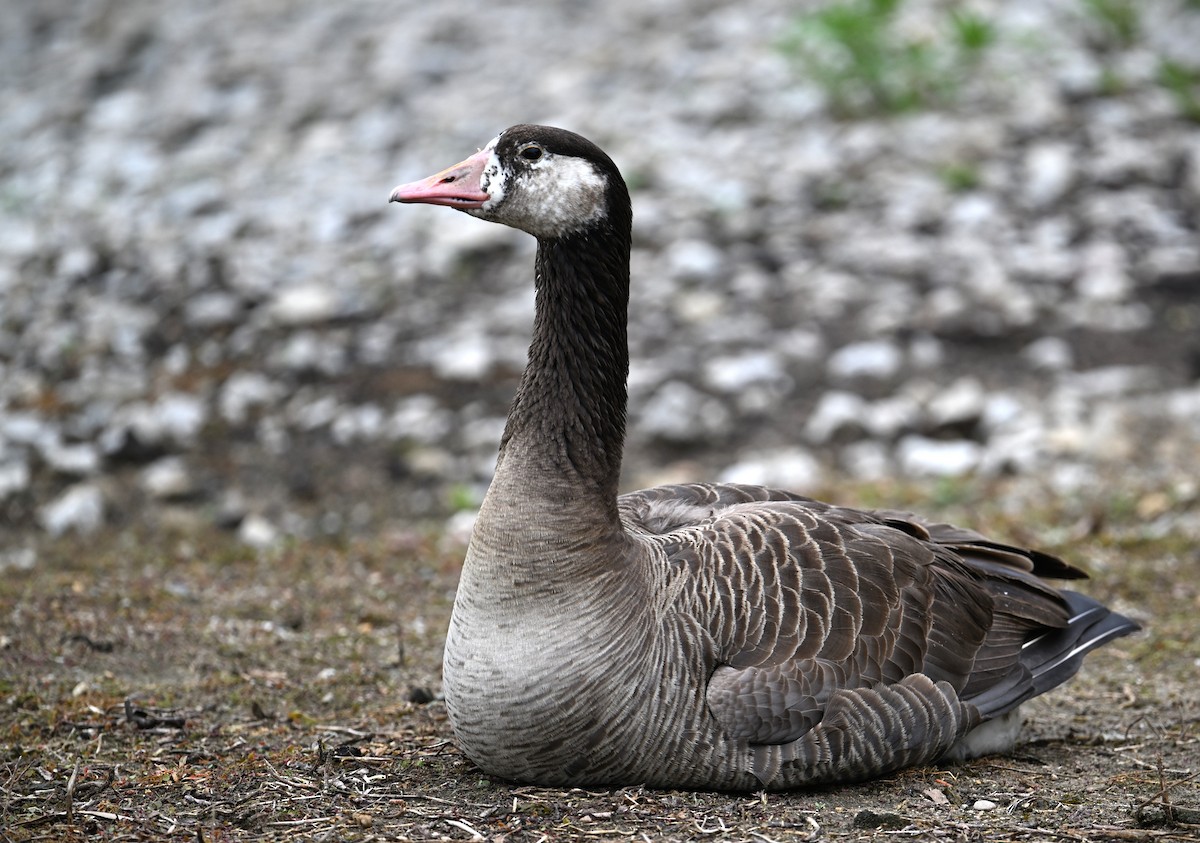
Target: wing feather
803, 602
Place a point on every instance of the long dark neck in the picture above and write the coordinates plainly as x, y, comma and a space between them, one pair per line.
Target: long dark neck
566, 429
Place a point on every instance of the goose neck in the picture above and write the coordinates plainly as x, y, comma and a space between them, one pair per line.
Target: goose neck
566, 430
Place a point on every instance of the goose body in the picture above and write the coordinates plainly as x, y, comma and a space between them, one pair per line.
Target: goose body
710, 636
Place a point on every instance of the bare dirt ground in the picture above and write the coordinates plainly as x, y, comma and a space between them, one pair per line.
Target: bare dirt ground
183, 687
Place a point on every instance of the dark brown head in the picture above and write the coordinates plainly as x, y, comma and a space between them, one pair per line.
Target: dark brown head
549, 182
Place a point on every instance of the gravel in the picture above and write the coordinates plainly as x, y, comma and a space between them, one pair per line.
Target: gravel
205, 301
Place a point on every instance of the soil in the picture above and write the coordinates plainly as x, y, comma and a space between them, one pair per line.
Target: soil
180, 686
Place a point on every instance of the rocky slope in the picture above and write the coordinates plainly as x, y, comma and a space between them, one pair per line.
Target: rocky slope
208, 312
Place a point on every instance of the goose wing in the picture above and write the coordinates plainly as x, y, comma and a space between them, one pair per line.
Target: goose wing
810, 609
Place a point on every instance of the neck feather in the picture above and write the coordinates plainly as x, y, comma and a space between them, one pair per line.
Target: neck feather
566, 430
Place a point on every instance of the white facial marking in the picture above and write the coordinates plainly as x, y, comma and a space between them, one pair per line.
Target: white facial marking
494, 181
571, 193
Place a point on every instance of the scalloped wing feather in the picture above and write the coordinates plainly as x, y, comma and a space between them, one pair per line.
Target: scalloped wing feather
804, 602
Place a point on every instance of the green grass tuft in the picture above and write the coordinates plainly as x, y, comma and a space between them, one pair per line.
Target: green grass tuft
860, 57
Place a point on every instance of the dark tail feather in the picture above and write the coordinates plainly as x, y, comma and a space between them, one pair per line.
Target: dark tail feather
1055, 656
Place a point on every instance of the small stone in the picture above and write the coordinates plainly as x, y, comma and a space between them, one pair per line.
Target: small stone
419, 418
1153, 505
699, 307
1049, 173
1051, 354
460, 356
877, 359
79, 509
168, 479
358, 424
257, 531
925, 352
694, 260
735, 373
867, 460
459, 527
244, 392
1113, 381
787, 468
212, 310
983, 805
957, 405
1104, 274
175, 419
420, 695
14, 477
76, 460
888, 417
308, 304
919, 456
17, 559
307, 351
837, 412
678, 412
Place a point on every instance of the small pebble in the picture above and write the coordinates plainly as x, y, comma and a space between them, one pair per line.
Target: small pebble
983, 805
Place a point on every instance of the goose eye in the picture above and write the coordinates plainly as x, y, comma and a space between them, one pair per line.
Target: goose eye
531, 153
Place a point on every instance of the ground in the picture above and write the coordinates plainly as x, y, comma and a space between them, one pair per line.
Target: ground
180, 686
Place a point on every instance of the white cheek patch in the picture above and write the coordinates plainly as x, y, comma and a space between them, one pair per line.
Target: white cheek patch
494, 181
558, 195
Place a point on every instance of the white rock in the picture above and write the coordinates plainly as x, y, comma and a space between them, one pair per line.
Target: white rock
257, 531
878, 359
459, 527
308, 304
735, 373
836, 411
867, 460
77, 460
27, 429
462, 356
694, 260
306, 351
244, 392
212, 310
678, 412
1002, 410
961, 402
983, 805
920, 456
1049, 353
1015, 448
887, 417
793, 469
1104, 274
14, 476
925, 352
362, 423
168, 479
1184, 404
174, 419
1112, 381
18, 559
699, 307
79, 509
419, 418
1049, 172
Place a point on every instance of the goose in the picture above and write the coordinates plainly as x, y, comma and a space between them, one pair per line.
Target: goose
707, 636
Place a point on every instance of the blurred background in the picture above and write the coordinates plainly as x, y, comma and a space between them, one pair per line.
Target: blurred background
875, 241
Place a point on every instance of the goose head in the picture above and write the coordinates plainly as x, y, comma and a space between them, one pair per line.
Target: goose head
546, 181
